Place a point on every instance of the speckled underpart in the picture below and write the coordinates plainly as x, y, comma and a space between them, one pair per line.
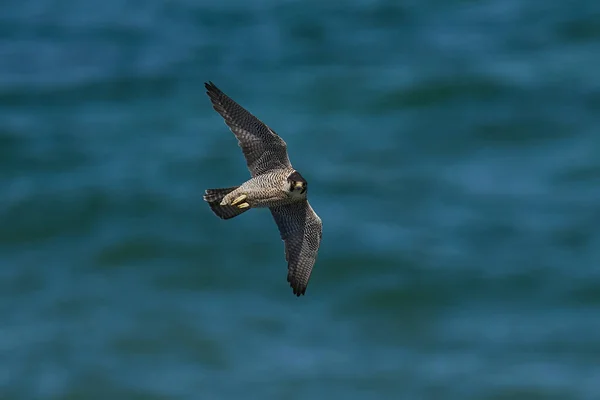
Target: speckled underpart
274, 184
267, 190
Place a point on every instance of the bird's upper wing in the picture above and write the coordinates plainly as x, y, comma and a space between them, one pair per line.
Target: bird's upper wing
301, 230
263, 148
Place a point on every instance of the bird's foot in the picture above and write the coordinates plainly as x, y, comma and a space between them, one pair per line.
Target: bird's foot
238, 201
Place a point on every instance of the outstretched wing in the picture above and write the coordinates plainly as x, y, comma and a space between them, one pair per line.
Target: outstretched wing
301, 230
263, 148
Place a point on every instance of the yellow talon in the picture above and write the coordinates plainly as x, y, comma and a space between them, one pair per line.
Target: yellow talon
243, 205
239, 199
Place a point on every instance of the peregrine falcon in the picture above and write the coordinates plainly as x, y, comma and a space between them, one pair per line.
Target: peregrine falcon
275, 184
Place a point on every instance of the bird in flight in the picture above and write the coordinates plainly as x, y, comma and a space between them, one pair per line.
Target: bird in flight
274, 184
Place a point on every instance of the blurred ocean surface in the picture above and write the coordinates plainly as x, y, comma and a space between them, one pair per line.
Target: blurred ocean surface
453, 152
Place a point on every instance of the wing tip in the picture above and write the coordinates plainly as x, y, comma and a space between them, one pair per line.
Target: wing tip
298, 288
299, 292
212, 89
216, 97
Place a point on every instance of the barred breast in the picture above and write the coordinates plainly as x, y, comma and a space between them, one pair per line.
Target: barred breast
267, 190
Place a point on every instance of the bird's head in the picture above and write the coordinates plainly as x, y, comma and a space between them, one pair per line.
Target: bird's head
297, 184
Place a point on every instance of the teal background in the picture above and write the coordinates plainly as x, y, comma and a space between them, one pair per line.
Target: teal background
452, 150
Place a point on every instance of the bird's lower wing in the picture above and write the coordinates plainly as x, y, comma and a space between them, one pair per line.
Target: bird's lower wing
263, 148
301, 230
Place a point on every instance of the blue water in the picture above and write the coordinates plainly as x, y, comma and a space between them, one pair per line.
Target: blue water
453, 154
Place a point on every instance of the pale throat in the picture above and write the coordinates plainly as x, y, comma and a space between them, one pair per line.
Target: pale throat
295, 194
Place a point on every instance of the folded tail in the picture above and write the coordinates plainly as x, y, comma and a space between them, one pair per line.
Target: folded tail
214, 197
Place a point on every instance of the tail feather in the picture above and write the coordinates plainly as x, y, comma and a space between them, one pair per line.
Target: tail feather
214, 197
